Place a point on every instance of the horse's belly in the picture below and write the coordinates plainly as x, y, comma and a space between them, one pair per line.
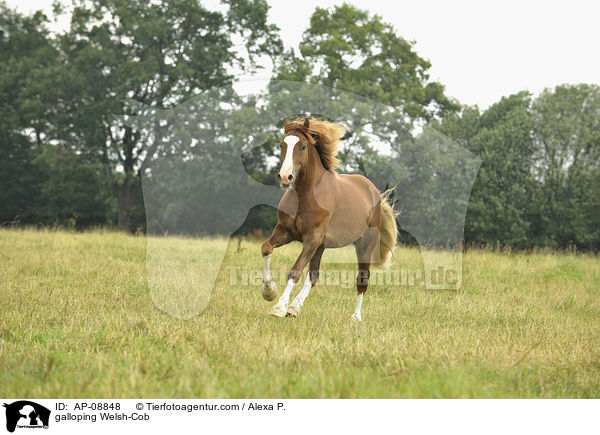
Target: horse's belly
343, 230
352, 214
333, 240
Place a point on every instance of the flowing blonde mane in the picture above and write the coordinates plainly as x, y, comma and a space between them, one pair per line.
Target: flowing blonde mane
325, 136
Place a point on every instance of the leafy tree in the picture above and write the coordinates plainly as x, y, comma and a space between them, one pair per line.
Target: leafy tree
349, 49
71, 189
538, 184
500, 207
567, 163
158, 53
27, 96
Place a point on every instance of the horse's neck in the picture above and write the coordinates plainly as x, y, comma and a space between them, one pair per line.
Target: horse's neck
311, 175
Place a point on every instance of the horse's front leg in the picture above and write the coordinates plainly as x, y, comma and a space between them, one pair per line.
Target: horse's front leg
311, 280
309, 247
279, 237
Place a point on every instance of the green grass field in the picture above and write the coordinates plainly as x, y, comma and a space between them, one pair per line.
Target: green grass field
77, 320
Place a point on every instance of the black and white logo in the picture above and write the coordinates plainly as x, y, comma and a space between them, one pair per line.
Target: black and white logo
26, 414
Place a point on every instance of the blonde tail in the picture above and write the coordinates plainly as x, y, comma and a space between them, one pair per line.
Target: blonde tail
388, 232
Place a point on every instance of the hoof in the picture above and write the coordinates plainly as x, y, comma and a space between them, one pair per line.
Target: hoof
355, 318
278, 311
269, 291
292, 312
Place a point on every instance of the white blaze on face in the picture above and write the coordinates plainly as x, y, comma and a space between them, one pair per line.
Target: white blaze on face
288, 162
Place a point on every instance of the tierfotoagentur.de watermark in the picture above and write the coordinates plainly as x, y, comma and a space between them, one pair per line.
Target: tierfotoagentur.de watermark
243, 276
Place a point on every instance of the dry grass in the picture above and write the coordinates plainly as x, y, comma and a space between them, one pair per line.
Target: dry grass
77, 320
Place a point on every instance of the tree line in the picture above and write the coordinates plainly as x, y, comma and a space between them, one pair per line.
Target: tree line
67, 159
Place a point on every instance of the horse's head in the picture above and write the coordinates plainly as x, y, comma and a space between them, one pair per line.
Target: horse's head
294, 155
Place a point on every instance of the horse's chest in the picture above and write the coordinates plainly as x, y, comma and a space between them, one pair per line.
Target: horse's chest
301, 224
308, 220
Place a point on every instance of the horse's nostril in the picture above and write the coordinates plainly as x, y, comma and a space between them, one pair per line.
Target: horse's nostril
290, 178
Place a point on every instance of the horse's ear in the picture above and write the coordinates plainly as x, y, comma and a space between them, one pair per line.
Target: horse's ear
306, 123
286, 122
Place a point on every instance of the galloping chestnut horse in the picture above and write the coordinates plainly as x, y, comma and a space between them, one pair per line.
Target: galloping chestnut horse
324, 209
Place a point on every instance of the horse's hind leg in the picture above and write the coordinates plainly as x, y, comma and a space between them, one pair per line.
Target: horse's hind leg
311, 280
364, 251
279, 237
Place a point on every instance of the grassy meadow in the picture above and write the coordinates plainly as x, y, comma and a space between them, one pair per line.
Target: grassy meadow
77, 320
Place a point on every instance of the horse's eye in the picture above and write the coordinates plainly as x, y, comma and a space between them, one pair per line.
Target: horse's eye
303, 147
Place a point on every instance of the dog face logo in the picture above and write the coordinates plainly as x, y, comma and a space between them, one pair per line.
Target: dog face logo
26, 414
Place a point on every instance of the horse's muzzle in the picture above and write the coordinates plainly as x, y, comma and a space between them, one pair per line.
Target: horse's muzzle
286, 182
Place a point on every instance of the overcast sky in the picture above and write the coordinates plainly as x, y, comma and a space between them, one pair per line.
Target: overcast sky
479, 50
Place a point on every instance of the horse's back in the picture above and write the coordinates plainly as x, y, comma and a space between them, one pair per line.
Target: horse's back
358, 187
